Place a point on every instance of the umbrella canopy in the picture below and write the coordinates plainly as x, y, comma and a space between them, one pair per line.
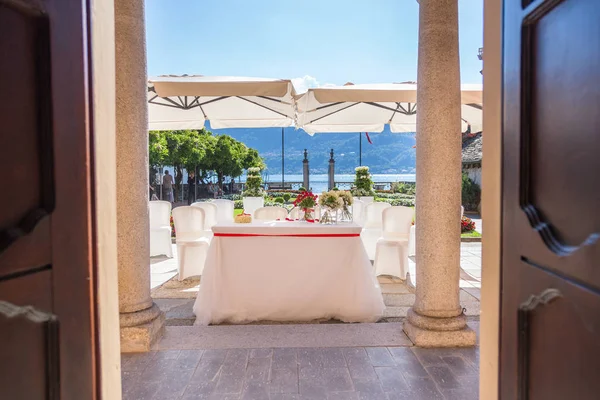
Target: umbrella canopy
368, 108
186, 102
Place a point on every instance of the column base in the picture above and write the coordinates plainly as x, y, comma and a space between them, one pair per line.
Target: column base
438, 332
141, 329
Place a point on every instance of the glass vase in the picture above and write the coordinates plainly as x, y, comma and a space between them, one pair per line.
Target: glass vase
345, 214
329, 216
307, 214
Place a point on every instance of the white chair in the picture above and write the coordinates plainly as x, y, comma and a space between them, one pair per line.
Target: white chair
224, 210
294, 213
412, 241
192, 245
373, 225
358, 208
391, 253
271, 213
160, 229
210, 217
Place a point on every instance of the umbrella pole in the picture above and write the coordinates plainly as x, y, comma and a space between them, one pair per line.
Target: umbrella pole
282, 161
360, 149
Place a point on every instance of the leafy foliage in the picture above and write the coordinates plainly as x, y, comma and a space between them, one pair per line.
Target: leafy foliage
471, 193
221, 155
404, 187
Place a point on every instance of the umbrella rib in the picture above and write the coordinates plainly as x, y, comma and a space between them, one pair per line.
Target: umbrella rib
265, 107
380, 106
334, 112
173, 103
398, 106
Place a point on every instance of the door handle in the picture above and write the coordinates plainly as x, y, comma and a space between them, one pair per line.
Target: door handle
524, 318
50, 326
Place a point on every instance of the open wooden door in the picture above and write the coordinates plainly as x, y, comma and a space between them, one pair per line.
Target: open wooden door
550, 318
47, 308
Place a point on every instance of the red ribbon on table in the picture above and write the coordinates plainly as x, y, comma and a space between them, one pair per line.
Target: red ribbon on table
287, 235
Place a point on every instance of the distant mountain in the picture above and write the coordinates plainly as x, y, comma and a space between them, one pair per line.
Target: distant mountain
390, 153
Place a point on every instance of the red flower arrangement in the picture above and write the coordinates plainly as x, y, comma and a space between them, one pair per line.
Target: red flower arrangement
172, 227
306, 201
467, 225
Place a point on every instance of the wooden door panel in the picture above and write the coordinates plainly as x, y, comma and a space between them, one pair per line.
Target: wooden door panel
29, 290
46, 233
564, 350
27, 157
562, 356
551, 197
29, 352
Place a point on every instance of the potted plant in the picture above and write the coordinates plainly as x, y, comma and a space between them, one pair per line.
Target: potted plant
363, 185
254, 194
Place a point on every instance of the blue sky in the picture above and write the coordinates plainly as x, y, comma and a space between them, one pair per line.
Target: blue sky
314, 42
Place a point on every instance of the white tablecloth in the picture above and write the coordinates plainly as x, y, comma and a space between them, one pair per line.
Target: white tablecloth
269, 275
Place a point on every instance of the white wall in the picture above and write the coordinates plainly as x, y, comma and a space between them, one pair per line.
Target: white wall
474, 174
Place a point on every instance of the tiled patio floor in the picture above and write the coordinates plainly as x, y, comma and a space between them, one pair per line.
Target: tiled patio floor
377, 373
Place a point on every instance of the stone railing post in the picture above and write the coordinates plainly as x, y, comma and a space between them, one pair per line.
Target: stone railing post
305, 171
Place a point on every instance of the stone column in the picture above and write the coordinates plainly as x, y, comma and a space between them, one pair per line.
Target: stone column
141, 320
305, 171
331, 172
436, 318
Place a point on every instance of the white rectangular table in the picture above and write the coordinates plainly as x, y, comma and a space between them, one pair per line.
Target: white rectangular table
287, 271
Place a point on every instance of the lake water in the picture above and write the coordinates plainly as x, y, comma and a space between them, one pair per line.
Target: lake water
318, 182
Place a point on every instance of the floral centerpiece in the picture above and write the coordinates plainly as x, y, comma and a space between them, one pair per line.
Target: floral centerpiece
363, 185
306, 201
346, 196
330, 202
253, 194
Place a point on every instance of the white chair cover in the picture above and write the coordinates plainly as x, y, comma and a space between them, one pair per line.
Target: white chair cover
391, 254
210, 217
294, 213
224, 210
358, 210
192, 245
271, 213
160, 229
373, 226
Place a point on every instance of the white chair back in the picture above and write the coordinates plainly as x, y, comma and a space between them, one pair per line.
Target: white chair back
160, 214
374, 214
294, 213
462, 211
397, 222
224, 210
189, 223
210, 213
270, 213
358, 210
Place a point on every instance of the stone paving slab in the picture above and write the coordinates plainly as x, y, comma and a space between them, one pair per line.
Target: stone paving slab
297, 335
381, 373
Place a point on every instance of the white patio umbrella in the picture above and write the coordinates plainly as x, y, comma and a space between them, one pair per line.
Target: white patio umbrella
186, 102
368, 108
